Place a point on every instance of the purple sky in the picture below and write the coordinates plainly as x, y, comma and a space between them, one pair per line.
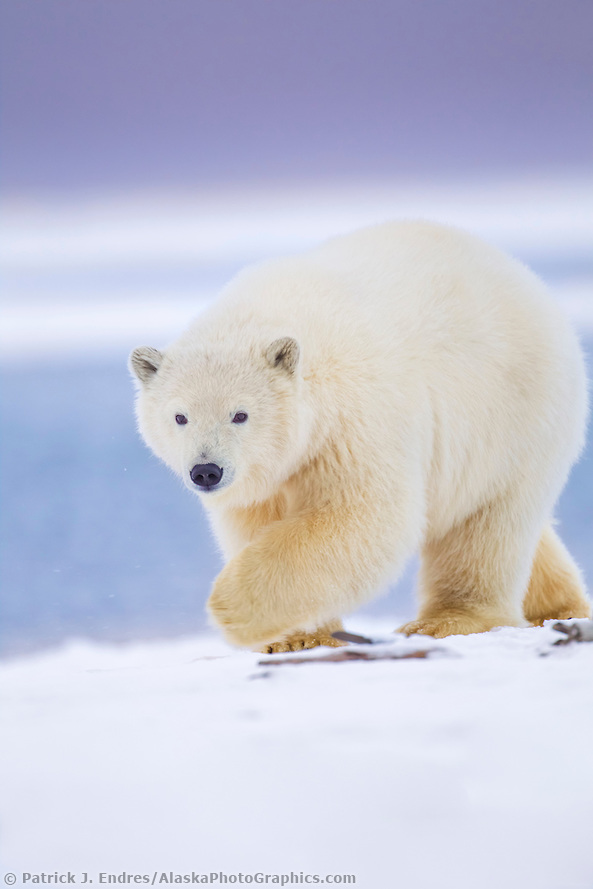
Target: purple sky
152, 93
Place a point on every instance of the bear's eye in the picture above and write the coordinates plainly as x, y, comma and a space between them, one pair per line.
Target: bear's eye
239, 417
181, 419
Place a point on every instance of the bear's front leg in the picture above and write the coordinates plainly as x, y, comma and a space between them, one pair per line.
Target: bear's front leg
300, 574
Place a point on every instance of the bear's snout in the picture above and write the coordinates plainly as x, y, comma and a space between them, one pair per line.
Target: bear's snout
206, 475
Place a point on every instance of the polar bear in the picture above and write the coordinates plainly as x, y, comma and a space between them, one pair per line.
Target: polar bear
403, 388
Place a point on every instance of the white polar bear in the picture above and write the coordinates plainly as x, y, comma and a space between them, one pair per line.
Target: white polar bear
406, 387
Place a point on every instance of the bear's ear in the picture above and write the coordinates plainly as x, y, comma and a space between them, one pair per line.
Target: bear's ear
284, 353
144, 363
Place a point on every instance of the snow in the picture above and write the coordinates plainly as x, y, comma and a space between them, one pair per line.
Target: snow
528, 215
470, 768
99, 275
78, 330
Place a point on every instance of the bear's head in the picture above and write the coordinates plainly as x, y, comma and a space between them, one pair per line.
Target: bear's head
229, 419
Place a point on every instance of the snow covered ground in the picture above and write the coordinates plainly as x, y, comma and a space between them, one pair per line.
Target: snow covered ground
470, 769
124, 756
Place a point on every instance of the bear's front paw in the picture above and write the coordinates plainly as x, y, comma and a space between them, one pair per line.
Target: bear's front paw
233, 617
301, 640
244, 616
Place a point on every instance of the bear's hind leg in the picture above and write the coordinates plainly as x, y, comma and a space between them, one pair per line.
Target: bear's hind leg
555, 588
300, 640
473, 578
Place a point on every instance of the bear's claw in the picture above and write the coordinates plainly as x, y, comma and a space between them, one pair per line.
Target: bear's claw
300, 640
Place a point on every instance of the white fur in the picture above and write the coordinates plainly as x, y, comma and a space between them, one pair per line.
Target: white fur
438, 402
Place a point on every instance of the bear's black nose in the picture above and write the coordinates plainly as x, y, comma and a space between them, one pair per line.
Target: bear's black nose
206, 475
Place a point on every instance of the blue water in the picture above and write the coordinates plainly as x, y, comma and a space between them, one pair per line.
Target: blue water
100, 540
